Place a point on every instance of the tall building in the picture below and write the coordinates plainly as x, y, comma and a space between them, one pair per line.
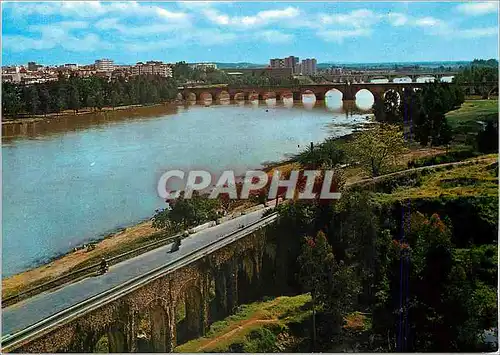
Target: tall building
152, 68
288, 62
308, 66
104, 64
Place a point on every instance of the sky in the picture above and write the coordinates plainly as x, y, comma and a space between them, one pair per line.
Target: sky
343, 32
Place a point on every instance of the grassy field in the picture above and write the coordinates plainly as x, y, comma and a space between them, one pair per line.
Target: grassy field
477, 179
253, 328
464, 121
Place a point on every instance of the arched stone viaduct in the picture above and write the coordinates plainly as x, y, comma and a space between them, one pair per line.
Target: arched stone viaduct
348, 91
172, 309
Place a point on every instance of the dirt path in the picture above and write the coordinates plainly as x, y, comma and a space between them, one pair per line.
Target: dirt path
239, 328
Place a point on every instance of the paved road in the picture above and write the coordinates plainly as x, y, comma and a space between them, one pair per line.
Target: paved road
23, 314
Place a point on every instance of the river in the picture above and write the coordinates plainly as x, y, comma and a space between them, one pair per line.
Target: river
70, 180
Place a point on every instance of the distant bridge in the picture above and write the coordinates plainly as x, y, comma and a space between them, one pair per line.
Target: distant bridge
348, 90
364, 77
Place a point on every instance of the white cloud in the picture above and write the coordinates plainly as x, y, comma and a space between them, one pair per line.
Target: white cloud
478, 8
273, 36
52, 38
428, 22
114, 24
357, 18
478, 32
397, 19
93, 9
340, 35
260, 19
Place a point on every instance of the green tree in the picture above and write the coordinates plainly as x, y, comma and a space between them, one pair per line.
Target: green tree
31, 99
376, 149
183, 213
12, 103
73, 97
316, 263
487, 139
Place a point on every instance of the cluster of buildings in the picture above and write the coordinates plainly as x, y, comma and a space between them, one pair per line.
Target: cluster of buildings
106, 68
306, 67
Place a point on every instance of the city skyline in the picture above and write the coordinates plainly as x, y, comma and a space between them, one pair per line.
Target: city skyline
79, 32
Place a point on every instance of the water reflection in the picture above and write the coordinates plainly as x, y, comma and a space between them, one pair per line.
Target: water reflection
364, 100
333, 100
308, 100
207, 102
254, 102
240, 102
271, 102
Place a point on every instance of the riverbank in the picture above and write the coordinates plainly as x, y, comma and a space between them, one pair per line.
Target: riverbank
82, 112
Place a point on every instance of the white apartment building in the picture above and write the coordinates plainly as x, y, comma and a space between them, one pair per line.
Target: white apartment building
104, 64
152, 68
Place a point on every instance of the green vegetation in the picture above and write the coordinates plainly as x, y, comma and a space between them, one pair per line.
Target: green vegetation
376, 149
75, 93
474, 179
254, 327
467, 121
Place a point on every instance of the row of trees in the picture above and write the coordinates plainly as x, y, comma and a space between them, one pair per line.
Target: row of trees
422, 112
75, 93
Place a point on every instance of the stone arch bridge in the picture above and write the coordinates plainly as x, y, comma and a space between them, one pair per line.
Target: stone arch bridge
348, 91
174, 308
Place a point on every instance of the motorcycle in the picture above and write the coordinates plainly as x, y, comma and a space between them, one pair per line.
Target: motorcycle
175, 246
104, 267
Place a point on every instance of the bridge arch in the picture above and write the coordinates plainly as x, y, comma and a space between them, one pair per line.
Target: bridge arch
111, 340
206, 96
239, 96
392, 94
333, 99
364, 99
253, 96
190, 96
223, 96
247, 273
189, 313
160, 329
